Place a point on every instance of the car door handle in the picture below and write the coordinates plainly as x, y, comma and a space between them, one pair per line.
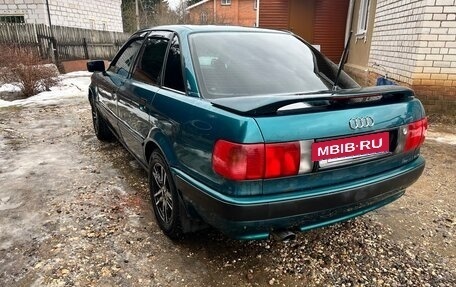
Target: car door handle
142, 102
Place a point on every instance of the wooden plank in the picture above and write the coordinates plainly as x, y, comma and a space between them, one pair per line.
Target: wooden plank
70, 41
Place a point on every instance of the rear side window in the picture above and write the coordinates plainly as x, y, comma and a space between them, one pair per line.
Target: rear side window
173, 72
150, 64
126, 58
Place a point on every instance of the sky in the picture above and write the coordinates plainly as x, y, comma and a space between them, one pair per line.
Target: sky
173, 3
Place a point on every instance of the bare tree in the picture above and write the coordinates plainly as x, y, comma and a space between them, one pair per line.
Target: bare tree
151, 13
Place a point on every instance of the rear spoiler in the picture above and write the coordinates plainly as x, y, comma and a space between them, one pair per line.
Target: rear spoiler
269, 104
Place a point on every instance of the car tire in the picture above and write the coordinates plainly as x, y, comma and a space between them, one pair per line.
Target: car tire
163, 193
100, 125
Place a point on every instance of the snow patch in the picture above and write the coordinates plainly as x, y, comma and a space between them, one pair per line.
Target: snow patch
71, 86
10, 88
76, 74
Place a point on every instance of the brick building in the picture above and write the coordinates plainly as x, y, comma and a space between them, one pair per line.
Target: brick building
413, 42
88, 14
228, 12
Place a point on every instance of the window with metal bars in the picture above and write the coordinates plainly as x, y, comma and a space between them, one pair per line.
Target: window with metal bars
12, 19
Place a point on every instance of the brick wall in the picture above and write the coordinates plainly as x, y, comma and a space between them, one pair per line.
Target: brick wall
240, 12
228, 14
88, 14
34, 11
195, 14
395, 36
437, 99
436, 55
246, 13
416, 43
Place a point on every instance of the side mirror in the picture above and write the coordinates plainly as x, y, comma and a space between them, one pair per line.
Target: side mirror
96, 66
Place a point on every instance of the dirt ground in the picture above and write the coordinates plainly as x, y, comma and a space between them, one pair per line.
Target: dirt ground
76, 212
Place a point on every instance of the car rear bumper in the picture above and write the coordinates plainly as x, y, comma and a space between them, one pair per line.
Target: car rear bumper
255, 217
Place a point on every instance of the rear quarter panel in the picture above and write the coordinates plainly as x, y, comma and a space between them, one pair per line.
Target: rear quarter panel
186, 129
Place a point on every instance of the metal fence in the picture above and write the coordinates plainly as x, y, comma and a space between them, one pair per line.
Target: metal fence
63, 43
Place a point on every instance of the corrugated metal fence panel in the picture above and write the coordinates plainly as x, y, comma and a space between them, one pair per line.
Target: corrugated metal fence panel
274, 14
329, 29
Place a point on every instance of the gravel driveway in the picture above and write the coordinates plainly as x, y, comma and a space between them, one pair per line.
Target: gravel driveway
76, 212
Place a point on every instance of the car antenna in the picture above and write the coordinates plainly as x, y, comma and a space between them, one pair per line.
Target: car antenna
343, 59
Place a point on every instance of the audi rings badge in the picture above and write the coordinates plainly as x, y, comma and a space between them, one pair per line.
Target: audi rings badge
362, 122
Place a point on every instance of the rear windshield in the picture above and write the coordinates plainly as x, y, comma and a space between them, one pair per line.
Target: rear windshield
230, 64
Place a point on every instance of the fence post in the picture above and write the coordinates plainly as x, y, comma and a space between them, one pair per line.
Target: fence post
86, 49
51, 50
55, 51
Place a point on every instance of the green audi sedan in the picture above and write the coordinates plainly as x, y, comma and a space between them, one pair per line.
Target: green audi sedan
254, 132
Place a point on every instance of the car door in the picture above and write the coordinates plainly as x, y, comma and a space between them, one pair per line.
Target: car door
115, 77
176, 115
136, 94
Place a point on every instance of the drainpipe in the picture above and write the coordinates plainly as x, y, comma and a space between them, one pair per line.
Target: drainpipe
137, 15
215, 11
348, 25
258, 14
53, 44
49, 18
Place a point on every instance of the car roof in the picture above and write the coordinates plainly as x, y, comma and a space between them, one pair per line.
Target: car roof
187, 29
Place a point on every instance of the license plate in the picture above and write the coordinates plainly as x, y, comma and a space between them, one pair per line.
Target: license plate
351, 147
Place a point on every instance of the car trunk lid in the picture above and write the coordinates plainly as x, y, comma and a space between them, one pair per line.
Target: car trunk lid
344, 118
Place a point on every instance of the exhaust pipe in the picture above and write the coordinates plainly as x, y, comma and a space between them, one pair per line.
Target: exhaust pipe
283, 235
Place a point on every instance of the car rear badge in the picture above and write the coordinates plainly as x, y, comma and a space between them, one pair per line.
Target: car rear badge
361, 122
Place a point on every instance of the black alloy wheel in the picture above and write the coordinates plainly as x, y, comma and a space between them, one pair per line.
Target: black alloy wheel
164, 196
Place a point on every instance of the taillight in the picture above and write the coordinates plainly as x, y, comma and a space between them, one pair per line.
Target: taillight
238, 161
282, 159
257, 161
416, 133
